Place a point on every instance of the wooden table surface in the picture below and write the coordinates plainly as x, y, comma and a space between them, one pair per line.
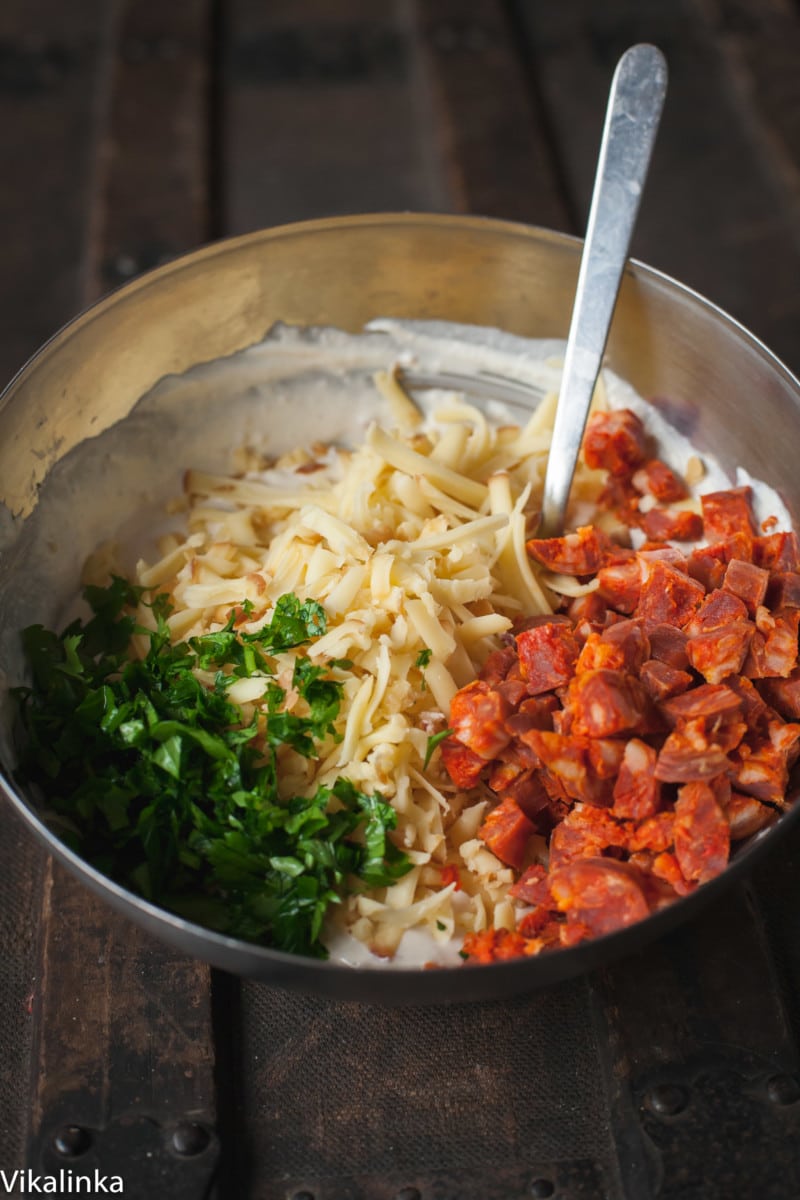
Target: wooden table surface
132, 131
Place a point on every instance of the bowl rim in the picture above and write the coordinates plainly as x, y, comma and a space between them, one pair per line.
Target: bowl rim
394, 984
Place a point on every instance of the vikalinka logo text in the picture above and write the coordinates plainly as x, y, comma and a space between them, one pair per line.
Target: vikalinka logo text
63, 1183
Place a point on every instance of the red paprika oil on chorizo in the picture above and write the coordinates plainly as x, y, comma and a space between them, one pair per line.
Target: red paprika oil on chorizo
647, 726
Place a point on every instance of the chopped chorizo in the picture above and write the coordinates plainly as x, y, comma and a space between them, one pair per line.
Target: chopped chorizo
783, 590
620, 583
721, 652
773, 649
578, 553
656, 833
783, 694
657, 479
574, 764
528, 791
715, 703
760, 764
477, 718
702, 834
746, 815
688, 754
623, 646
637, 792
668, 645
748, 582
498, 664
506, 831
599, 894
717, 610
498, 945
661, 681
615, 441
463, 767
667, 595
777, 551
532, 887
547, 654
727, 513
672, 524
609, 703
585, 831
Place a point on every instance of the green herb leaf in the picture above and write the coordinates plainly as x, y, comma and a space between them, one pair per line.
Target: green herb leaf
159, 783
433, 742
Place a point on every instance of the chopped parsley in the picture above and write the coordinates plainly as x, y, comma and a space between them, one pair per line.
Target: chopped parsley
433, 742
152, 776
423, 659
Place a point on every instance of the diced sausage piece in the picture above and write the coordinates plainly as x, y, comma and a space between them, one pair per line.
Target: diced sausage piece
721, 652
702, 835
707, 564
777, 552
502, 774
623, 646
477, 718
718, 609
657, 479
714, 703
672, 524
668, 596
637, 792
578, 553
783, 590
746, 815
620, 583
463, 767
585, 832
755, 712
547, 655
621, 498
655, 833
688, 755
729, 512
760, 765
532, 887
588, 612
665, 866
783, 694
600, 894
748, 582
773, 649
498, 664
615, 442
512, 690
498, 945
538, 712
668, 645
609, 703
661, 681
506, 832
540, 925
567, 758
662, 554
528, 791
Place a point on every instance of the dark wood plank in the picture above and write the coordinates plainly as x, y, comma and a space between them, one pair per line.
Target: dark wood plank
325, 112
153, 198
489, 122
51, 58
123, 1050
718, 212
51, 84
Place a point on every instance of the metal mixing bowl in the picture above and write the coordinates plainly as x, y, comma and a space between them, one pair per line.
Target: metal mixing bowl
712, 378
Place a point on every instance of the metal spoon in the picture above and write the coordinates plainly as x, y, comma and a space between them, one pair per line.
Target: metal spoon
634, 109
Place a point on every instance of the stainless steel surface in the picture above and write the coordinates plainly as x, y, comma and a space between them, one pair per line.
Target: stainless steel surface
716, 382
633, 114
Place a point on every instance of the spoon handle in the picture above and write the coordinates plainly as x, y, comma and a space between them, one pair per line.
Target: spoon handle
632, 116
